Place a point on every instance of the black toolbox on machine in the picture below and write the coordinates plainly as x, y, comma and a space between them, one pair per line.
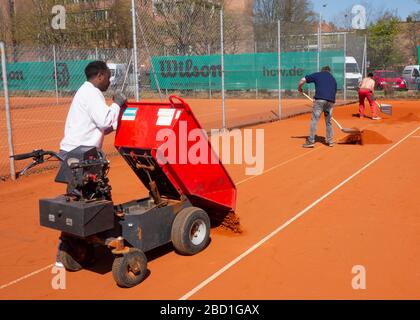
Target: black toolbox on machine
79, 218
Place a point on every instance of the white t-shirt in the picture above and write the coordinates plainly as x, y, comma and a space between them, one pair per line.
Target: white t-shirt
88, 119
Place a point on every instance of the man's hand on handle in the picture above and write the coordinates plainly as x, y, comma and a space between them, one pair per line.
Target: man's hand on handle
301, 83
120, 98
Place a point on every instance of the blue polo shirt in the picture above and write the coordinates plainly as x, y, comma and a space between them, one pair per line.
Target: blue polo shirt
325, 85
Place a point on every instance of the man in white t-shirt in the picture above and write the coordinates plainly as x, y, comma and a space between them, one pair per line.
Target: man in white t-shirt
90, 118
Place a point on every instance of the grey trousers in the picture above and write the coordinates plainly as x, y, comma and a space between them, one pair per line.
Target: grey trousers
326, 107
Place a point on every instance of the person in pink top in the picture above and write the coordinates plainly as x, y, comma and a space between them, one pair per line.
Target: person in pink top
366, 90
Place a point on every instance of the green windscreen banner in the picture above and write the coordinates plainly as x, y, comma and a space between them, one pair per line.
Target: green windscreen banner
40, 76
242, 71
418, 54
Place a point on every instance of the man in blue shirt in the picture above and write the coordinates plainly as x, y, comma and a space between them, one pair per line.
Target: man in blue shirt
325, 93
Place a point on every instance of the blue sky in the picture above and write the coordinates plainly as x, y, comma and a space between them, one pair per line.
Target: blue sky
335, 7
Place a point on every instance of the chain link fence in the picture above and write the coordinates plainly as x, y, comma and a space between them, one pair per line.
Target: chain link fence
41, 85
194, 49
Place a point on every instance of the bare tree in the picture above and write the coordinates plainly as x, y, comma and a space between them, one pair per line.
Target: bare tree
33, 25
296, 17
120, 24
87, 24
187, 27
5, 28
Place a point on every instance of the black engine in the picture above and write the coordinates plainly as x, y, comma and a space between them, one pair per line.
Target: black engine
85, 170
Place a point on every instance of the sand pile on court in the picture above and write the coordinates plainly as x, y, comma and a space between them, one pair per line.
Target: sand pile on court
411, 117
373, 137
229, 222
366, 137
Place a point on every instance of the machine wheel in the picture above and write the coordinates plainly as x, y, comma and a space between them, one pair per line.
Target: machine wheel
190, 231
75, 253
130, 269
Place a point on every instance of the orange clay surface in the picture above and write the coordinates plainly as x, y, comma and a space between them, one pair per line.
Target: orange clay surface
371, 219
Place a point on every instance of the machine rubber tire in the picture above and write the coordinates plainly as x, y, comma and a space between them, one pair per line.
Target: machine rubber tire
75, 253
190, 231
130, 268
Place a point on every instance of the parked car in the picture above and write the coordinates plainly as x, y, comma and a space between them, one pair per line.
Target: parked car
384, 78
411, 75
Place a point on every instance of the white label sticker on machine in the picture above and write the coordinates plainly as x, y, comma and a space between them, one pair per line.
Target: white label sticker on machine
129, 114
165, 117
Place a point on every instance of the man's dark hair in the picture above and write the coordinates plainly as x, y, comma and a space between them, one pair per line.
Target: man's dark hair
370, 74
326, 68
94, 68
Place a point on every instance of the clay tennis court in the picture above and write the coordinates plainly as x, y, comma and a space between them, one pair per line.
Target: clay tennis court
307, 220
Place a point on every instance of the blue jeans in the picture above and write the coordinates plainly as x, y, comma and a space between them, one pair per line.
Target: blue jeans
319, 107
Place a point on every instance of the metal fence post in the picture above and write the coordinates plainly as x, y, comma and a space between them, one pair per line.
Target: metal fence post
279, 65
136, 77
55, 75
319, 49
365, 55
345, 81
222, 60
256, 88
7, 109
208, 53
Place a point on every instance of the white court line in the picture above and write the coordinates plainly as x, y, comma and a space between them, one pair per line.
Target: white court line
290, 221
26, 276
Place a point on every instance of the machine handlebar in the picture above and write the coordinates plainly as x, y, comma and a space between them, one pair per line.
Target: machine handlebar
23, 156
37, 155
37, 158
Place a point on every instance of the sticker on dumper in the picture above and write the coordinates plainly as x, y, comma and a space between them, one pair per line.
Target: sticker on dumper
129, 114
165, 117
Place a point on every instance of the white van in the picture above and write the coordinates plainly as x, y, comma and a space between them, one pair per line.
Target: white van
353, 75
411, 75
118, 71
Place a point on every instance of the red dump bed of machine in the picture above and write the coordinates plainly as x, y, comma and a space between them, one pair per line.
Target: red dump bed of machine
171, 128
